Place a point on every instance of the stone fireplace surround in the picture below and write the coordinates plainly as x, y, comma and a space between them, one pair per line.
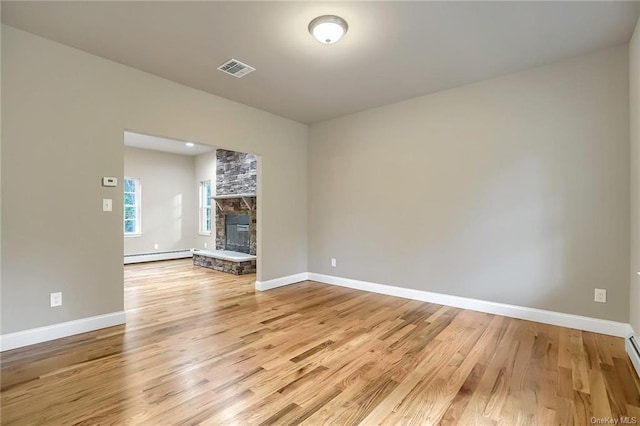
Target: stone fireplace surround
236, 175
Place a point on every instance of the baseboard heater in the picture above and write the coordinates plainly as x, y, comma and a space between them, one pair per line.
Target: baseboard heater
157, 255
633, 349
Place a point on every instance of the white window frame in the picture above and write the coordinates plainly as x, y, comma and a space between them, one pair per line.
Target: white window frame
138, 196
205, 203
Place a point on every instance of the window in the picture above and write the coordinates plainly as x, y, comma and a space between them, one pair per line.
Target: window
205, 207
132, 206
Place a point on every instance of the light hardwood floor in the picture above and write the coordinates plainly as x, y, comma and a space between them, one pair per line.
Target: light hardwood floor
202, 347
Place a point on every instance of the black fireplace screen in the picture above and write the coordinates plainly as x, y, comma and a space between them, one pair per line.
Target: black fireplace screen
237, 232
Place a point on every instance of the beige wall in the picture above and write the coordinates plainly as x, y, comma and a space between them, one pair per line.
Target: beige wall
169, 200
205, 165
634, 90
513, 190
64, 114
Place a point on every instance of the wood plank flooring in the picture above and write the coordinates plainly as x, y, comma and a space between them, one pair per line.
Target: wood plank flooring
202, 347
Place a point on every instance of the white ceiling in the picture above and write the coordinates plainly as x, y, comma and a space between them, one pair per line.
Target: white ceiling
393, 50
154, 143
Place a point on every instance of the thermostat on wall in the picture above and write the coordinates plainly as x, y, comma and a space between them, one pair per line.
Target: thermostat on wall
109, 181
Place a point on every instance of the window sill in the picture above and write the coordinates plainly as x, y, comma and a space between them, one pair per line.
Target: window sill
132, 235
205, 234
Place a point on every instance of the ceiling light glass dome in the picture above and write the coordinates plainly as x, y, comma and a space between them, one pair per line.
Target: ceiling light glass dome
328, 29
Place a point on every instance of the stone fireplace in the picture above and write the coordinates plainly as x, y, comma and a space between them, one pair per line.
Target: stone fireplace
235, 218
236, 178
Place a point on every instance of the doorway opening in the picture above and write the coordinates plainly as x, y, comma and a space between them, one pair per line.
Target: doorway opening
188, 200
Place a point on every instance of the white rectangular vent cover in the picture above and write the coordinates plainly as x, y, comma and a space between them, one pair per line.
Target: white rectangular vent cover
236, 68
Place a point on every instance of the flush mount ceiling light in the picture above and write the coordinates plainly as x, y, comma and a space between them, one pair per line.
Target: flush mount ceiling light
190, 144
328, 29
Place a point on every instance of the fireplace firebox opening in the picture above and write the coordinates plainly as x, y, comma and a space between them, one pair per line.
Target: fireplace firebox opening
237, 237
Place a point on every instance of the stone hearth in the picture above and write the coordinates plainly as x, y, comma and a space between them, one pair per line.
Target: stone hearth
223, 261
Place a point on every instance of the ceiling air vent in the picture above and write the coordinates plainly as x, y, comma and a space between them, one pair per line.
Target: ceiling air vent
236, 68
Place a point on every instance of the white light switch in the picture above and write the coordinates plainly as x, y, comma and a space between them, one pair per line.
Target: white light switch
107, 204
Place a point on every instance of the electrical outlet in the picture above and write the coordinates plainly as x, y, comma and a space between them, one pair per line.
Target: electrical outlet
56, 299
107, 205
334, 263
155, 247
600, 296
205, 245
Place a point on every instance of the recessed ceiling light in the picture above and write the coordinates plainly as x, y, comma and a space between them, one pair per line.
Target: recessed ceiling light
328, 29
190, 144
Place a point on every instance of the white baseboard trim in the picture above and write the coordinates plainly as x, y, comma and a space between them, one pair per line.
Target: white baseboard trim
279, 282
50, 332
42, 334
152, 257
633, 350
612, 328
